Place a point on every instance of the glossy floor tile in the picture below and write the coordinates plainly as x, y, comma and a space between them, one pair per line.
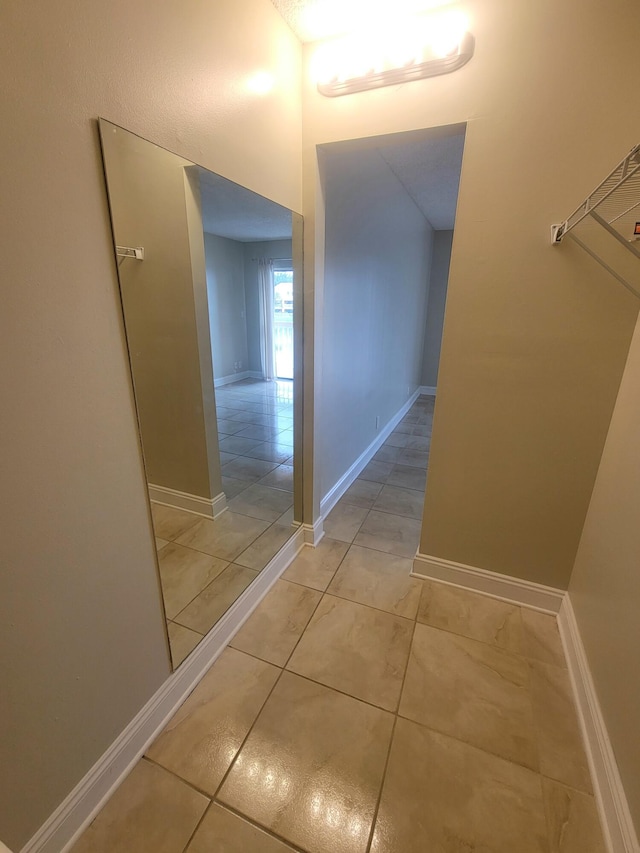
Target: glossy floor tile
225, 537
469, 614
276, 625
393, 534
184, 573
315, 567
472, 691
446, 796
355, 649
379, 580
151, 812
312, 767
221, 831
203, 738
182, 641
358, 710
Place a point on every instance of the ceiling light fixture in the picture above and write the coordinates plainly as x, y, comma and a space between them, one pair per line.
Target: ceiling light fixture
394, 54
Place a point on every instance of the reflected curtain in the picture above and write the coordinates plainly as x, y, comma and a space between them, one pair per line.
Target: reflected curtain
265, 291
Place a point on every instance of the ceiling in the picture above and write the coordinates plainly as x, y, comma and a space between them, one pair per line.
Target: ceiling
313, 20
429, 170
232, 211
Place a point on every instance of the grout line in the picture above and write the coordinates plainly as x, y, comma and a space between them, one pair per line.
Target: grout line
198, 825
376, 810
173, 773
253, 822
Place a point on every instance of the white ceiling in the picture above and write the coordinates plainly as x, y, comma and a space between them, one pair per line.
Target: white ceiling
429, 170
232, 211
313, 20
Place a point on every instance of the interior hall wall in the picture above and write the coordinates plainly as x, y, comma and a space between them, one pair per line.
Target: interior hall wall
535, 336
438, 278
605, 584
377, 257
227, 309
81, 623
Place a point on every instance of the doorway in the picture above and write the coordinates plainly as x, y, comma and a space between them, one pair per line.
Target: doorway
283, 320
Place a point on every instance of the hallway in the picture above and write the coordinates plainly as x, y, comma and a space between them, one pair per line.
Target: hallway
360, 709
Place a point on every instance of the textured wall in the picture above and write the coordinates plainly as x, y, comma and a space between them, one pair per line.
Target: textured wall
535, 337
80, 614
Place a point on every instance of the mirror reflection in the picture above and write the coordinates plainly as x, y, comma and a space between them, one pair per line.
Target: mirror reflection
209, 277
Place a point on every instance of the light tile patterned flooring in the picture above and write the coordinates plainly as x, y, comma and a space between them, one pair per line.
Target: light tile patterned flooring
205, 565
360, 709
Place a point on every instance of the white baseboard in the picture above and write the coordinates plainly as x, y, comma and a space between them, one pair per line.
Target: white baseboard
505, 587
207, 507
236, 377
71, 818
336, 492
313, 533
429, 390
615, 817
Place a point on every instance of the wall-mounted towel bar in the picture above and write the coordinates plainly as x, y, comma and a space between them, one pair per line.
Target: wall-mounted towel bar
127, 252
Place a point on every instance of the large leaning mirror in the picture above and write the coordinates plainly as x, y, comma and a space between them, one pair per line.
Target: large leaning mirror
210, 282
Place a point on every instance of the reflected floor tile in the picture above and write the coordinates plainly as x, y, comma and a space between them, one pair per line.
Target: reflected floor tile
356, 649
221, 831
414, 458
562, 754
387, 453
169, 523
393, 534
362, 493
344, 520
397, 439
312, 767
232, 487
471, 615
225, 537
443, 796
160, 543
204, 736
151, 812
228, 427
247, 468
542, 637
408, 477
472, 691
276, 625
182, 641
259, 433
572, 820
184, 573
418, 442
280, 478
399, 501
270, 452
378, 580
265, 547
262, 502
214, 600
315, 567
226, 457
377, 471
422, 430
236, 444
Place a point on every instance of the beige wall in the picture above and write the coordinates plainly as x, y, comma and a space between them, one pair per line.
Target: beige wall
605, 584
535, 337
81, 621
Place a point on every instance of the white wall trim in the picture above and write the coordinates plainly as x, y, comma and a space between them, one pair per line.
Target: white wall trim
615, 817
430, 390
313, 533
207, 507
336, 492
75, 813
237, 377
505, 587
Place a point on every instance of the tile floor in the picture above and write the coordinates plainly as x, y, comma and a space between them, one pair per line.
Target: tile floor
360, 709
205, 565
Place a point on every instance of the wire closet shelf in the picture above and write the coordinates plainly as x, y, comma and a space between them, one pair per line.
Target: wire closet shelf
614, 204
